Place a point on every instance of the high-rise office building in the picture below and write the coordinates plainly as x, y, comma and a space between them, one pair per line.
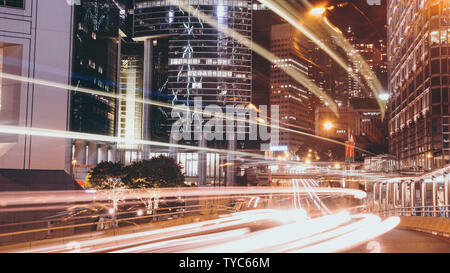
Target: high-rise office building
295, 101
263, 20
100, 49
35, 45
95, 66
326, 73
202, 60
360, 118
186, 58
418, 56
357, 86
98, 27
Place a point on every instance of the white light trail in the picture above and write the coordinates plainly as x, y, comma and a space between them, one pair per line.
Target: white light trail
301, 78
360, 236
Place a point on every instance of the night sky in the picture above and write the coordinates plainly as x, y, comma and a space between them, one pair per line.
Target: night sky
368, 22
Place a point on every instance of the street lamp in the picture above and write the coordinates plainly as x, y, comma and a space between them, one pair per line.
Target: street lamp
384, 96
328, 125
319, 11
74, 165
430, 161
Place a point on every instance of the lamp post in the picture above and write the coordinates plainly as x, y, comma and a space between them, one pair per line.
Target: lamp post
328, 125
74, 166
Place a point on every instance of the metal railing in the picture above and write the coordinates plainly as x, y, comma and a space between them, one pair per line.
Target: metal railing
424, 211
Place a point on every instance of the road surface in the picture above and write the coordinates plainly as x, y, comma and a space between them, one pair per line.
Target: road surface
405, 241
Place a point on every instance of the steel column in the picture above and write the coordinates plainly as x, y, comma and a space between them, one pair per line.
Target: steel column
413, 196
434, 200
446, 194
380, 196
387, 193
403, 196
423, 191
375, 192
147, 84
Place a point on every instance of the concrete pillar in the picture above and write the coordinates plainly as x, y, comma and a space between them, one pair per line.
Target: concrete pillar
403, 196
202, 162
380, 194
112, 154
423, 192
173, 150
375, 192
231, 167
103, 155
147, 86
387, 195
434, 196
413, 196
92, 153
446, 194
80, 152
394, 194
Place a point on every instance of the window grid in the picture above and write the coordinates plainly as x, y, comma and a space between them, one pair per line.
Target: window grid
12, 3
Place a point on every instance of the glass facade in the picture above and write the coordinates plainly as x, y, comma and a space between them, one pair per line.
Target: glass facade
202, 61
189, 164
295, 101
418, 52
95, 66
130, 108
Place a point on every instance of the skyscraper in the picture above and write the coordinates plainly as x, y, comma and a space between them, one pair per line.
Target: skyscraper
296, 102
263, 19
186, 58
418, 56
202, 61
96, 65
35, 45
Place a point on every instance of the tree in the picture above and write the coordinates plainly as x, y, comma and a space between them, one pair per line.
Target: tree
158, 172
107, 175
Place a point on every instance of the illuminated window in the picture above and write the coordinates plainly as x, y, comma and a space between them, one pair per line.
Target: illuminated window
435, 37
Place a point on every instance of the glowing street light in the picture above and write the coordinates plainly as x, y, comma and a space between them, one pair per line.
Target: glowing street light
319, 11
328, 125
384, 97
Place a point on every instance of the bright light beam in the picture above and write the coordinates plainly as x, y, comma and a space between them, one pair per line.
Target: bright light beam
301, 78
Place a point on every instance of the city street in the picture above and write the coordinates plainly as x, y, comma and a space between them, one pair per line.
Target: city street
405, 241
